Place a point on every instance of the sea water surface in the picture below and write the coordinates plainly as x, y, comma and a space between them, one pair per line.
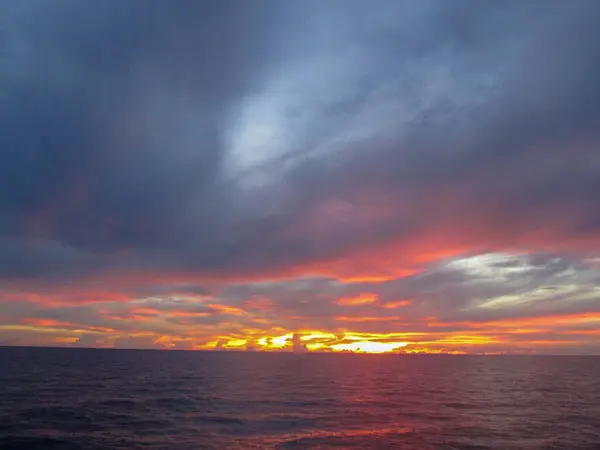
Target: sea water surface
125, 399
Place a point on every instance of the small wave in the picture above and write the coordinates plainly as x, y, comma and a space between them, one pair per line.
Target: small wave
457, 405
64, 415
115, 403
151, 424
222, 419
346, 438
176, 403
354, 406
304, 404
25, 443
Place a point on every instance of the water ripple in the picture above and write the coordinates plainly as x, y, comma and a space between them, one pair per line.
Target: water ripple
91, 399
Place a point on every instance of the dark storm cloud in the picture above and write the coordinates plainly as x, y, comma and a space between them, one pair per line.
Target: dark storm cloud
110, 118
230, 137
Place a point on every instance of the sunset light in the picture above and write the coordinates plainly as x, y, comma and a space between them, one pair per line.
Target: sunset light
330, 177
247, 224
369, 347
361, 299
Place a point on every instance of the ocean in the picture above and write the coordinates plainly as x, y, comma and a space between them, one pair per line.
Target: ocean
128, 399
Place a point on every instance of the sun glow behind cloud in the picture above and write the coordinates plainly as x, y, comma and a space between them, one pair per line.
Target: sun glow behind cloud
320, 315
369, 347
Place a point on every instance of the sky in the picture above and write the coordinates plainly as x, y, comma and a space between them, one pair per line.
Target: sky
341, 175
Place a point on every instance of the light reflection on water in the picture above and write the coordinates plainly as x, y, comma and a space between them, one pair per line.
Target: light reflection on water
103, 399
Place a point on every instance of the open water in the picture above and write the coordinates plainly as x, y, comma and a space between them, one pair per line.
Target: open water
125, 399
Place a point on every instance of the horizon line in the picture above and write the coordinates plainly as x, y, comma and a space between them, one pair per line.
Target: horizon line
292, 352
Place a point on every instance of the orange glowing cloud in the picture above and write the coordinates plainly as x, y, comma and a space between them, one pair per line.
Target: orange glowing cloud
362, 299
583, 332
367, 318
59, 325
258, 303
553, 320
144, 311
66, 340
225, 309
396, 304
525, 322
190, 313
43, 322
57, 297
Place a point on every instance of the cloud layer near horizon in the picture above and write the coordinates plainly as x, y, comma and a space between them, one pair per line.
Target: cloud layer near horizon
147, 146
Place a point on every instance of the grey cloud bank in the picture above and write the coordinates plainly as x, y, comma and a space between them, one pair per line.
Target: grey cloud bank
234, 138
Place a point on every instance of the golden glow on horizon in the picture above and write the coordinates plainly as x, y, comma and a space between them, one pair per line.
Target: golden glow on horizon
231, 344
369, 346
317, 335
281, 341
66, 340
525, 335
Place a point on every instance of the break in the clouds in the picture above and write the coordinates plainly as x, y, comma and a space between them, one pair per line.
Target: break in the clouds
228, 153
